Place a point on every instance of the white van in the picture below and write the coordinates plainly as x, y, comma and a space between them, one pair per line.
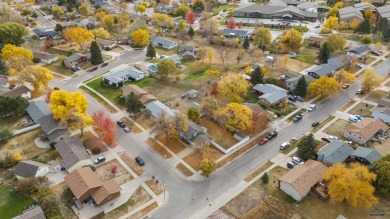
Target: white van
284, 145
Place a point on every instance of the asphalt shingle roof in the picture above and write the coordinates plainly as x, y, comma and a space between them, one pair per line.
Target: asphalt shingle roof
156, 107
72, 151
368, 153
35, 213
38, 109
335, 152
360, 49
27, 168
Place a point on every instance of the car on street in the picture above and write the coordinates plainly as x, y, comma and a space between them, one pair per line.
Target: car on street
359, 117
314, 124
93, 69
290, 165
265, 140
104, 64
326, 139
297, 118
317, 26
311, 108
100, 159
345, 86
300, 99
127, 129
292, 55
284, 145
272, 135
353, 119
121, 123
292, 99
293, 139
360, 91
360, 65
331, 137
56, 88
139, 160
296, 160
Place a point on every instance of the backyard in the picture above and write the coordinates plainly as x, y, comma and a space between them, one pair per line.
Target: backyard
219, 135
12, 202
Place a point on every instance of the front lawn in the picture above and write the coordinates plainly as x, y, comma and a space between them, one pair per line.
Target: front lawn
219, 8
12, 202
59, 68
362, 109
377, 95
279, 111
337, 128
162, 51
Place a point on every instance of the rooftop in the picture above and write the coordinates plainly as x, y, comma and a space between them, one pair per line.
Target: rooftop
72, 151
368, 153
367, 127
335, 152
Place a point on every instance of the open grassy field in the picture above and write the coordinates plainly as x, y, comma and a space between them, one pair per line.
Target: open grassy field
12, 202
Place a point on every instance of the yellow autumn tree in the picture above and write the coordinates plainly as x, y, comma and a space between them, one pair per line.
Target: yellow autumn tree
35, 75
354, 23
371, 80
210, 54
343, 76
284, 60
235, 115
31, 2
79, 35
213, 73
57, 12
160, 20
338, 5
291, 39
331, 23
368, 13
233, 86
351, 184
10, 51
248, 69
17, 157
100, 33
83, 9
324, 87
140, 37
100, 14
336, 42
140, 8
108, 21
333, 12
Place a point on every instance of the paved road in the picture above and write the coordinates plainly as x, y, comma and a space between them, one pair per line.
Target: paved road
45, 22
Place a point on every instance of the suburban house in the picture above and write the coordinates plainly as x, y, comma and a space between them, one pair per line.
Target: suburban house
365, 129
20, 91
101, 4
30, 169
104, 44
233, 33
175, 58
40, 113
164, 43
298, 182
35, 213
315, 41
350, 13
89, 23
335, 152
187, 52
359, 51
167, 10
123, 73
327, 69
143, 96
85, 184
291, 82
77, 60
156, 107
45, 57
4, 82
195, 134
382, 113
45, 33
383, 12
365, 155
270, 94
362, 6
73, 154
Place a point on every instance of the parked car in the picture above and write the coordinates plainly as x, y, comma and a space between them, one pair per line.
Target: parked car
121, 124
360, 65
345, 86
359, 117
301, 99
284, 145
293, 139
314, 124
375, 53
292, 99
75, 69
272, 135
296, 160
290, 165
326, 139
311, 108
104, 64
93, 69
353, 119
56, 88
317, 26
297, 118
265, 140
360, 91
292, 55
127, 129
139, 160
333, 138
100, 159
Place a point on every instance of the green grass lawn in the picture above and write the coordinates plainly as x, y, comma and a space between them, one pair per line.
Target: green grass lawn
278, 110
308, 58
219, 8
59, 68
251, 97
162, 51
12, 202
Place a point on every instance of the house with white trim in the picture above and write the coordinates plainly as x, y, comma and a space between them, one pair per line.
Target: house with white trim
122, 73
164, 43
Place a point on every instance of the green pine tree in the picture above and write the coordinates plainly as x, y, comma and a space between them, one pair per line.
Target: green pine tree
257, 76
386, 35
307, 148
191, 32
324, 53
150, 52
264, 178
96, 54
364, 27
246, 43
133, 104
301, 88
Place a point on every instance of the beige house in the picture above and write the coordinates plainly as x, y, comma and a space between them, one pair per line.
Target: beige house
106, 43
45, 57
364, 130
143, 96
73, 154
298, 182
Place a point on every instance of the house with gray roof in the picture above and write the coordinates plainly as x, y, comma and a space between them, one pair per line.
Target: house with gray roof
40, 113
164, 43
45, 33
76, 60
383, 12
156, 107
291, 82
234, 33
382, 113
365, 155
19, 91
327, 69
45, 57
101, 4
359, 51
335, 152
270, 94
35, 213
122, 73
175, 58
274, 11
73, 154
187, 52
195, 134
350, 13
30, 169
4, 82
362, 6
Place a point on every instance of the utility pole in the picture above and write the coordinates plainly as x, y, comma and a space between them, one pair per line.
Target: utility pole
164, 188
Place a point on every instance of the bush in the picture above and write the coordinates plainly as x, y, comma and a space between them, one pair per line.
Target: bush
52, 144
8, 161
107, 49
95, 150
93, 168
366, 40
27, 186
47, 199
301, 29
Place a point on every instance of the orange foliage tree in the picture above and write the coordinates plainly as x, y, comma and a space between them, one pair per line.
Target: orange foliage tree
105, 128
259, 121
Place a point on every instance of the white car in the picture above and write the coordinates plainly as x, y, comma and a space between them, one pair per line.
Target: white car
293, 139
333, 138
353, 119
296, 160
284, 145
311, 108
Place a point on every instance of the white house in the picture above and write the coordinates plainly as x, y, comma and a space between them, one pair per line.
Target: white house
156, 107
123, 73
45, 57
359, 51
30, 169
164, 43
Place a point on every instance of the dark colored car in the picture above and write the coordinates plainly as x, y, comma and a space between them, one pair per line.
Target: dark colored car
75, 69
272, 135
375, 53
314, 124
140, 161
326, 139
292, 99
93, 69
265, 140
121, 124
297, 118
56, 88
290, 165
104, 64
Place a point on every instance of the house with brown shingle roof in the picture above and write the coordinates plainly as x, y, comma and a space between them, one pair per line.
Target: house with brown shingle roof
364, 130
143, 96
45, 57
30, 169
73, 154
20, 91
35, 213
298, 181
106, 43
85, 184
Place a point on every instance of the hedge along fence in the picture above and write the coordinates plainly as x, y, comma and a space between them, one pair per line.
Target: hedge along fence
225, 151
